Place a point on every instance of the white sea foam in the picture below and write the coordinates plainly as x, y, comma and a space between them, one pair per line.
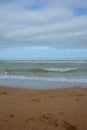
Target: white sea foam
61, 69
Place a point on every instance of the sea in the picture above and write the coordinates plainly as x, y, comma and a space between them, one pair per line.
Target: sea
45, 74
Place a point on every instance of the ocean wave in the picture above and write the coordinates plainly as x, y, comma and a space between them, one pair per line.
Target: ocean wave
53, 69
61, 69
51, 79
37, 70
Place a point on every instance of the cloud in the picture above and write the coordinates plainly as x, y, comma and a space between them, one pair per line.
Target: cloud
43, 22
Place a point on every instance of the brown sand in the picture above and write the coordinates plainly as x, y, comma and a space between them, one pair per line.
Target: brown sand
59, 109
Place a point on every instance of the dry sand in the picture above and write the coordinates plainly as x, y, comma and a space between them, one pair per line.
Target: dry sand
59, 109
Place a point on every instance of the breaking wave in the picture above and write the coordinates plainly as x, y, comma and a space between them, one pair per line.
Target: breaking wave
37, 70
60, 79
61, 69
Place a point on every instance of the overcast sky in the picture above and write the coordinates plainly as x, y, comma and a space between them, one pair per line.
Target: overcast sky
49, 25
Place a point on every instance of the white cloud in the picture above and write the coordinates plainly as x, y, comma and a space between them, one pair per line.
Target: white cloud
48, 22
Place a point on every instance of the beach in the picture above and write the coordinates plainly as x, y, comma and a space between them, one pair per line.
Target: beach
50, 109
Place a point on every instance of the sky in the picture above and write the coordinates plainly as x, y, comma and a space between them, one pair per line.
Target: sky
43, 29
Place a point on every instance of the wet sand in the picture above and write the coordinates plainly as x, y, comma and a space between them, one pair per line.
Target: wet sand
55, 109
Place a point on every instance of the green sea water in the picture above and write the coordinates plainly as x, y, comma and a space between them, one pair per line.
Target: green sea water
36, 73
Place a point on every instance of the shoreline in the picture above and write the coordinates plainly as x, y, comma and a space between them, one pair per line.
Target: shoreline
43, 88
49, 109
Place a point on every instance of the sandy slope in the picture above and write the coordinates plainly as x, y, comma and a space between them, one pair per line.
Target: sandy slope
59, 109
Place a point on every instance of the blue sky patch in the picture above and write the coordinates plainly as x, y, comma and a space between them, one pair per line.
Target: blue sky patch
80, 11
